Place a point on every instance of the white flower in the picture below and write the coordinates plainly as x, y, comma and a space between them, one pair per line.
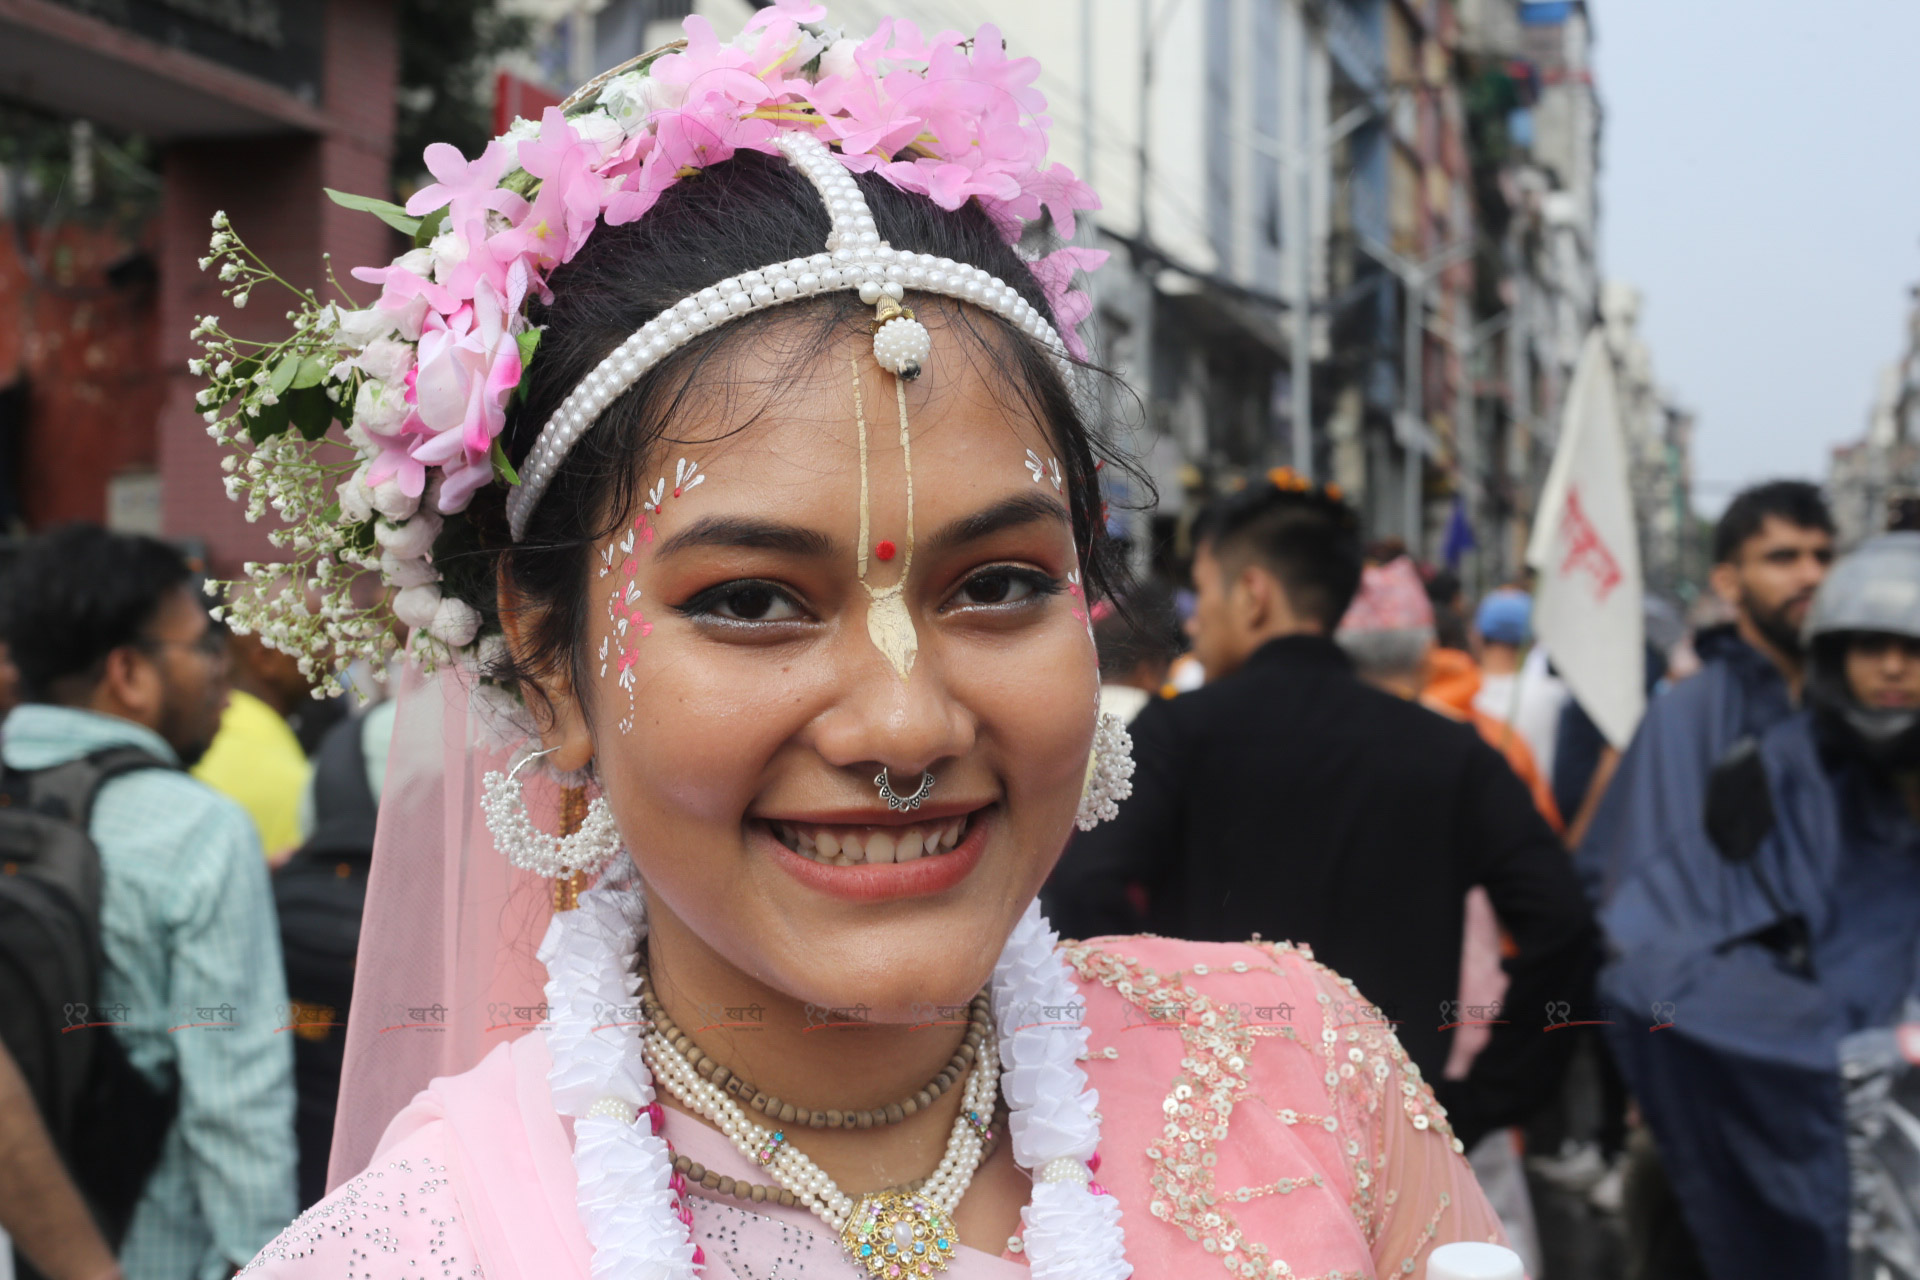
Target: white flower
222, 369
210, 417
811, 46
240, 298
838, 59
393, 502
356, 502
407, 573
449, 250
418, 261
219, 219
358, 328
521, 130
387, 360
455, 621
628, 99
203, 397
601, 129
378, 407
417, 606
410, 540
205, 263
228, 270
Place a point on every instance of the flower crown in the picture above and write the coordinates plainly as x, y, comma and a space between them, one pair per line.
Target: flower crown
422, 379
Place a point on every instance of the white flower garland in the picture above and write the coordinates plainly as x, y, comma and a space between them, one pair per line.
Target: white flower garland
600, 1078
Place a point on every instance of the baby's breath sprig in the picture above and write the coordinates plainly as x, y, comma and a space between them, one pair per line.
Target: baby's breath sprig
274, 404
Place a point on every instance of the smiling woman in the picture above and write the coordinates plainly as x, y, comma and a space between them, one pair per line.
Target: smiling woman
785, 599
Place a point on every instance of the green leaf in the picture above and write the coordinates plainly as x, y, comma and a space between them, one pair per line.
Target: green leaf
502, 469
360, 536
528, 341
312, 371
430, 226
385, 210
282, 376
272, 420
310, 411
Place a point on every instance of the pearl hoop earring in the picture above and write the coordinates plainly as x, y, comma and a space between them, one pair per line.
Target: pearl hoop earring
1109, 774
584, 852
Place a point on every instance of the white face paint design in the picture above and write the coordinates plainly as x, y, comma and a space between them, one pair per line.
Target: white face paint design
889, 622
620, 560
1048, 470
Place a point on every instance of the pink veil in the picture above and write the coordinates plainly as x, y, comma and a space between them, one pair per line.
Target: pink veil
446, 968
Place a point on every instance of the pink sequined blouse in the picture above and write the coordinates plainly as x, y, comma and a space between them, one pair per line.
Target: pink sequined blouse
1257, 1120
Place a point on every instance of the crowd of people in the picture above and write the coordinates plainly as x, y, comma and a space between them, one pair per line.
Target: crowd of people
1699, 926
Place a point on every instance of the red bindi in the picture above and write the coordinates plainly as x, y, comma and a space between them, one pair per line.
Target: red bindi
885, 550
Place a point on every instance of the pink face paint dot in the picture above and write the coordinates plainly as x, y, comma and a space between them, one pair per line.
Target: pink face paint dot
630, 568
885, 550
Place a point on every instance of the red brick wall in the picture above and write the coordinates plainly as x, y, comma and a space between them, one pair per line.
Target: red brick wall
271, 190
85, 349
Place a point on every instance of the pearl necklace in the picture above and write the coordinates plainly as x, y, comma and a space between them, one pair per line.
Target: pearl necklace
633, 1206
884, 1229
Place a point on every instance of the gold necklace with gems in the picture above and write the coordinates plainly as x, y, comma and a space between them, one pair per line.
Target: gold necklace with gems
891, 1234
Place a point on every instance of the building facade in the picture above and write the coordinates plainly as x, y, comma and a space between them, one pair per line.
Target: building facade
252, 107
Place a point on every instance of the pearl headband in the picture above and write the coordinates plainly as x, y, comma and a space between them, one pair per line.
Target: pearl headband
856, 258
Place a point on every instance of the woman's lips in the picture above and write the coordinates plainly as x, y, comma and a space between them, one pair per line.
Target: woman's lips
873, 880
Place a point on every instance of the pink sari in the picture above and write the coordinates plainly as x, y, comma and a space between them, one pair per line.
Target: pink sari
1252, 1109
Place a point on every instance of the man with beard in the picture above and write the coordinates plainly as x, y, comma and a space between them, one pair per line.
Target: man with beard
115, 652
1772, 547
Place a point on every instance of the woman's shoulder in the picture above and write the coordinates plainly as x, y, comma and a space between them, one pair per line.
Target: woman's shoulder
1178, 971
398, 1218
1321, 1043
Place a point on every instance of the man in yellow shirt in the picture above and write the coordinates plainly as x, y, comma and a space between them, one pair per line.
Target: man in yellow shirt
255, 758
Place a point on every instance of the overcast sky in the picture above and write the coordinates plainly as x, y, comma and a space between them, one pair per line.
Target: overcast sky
1760, 184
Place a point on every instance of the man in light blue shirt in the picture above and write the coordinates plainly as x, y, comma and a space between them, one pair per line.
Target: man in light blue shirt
114, 648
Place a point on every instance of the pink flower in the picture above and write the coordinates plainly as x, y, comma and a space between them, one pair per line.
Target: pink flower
570, 196
707, 131
1070, 306
469, 365
393, 462
471, 189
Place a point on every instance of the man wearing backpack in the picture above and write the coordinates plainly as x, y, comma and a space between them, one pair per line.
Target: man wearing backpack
122, 672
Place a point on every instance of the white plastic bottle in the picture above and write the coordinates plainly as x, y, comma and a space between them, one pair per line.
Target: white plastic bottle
1466, 1260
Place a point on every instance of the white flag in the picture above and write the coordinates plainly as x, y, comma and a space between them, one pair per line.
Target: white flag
1586, 553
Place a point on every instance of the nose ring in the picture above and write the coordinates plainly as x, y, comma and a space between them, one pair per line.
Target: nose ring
896, 801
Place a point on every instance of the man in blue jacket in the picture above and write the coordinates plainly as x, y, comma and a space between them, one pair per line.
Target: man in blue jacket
1744, 946
1772, 547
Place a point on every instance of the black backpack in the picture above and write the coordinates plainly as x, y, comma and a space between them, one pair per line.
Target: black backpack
320, 894
106, 1120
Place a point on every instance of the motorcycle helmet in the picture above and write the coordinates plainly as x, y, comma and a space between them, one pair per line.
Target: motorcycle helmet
1874, 590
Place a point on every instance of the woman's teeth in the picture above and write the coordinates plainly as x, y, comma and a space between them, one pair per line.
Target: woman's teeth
852, 846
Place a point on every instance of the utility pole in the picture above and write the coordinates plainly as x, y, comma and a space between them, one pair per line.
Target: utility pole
1300, 256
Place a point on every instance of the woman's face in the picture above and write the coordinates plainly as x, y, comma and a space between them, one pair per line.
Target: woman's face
748, 683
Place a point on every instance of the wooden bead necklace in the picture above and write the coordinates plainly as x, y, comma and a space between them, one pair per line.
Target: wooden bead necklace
978, 1022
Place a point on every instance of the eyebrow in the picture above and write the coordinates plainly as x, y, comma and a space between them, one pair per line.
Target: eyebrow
1009, 513
748, 532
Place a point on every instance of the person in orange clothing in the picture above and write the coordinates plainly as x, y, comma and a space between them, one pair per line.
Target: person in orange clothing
1452, 678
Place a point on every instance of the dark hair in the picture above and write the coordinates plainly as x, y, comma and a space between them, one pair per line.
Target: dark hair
729, 219
1795, 501
1306, 538
78, 593
1147, 630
